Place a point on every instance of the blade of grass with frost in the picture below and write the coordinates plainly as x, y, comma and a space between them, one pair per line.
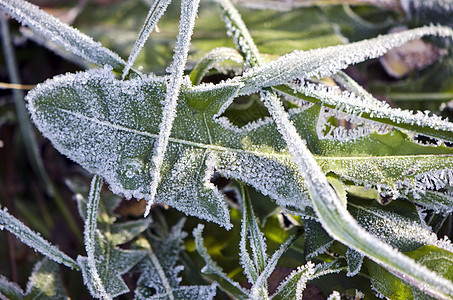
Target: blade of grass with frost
327, 61
238, 31
213, 271
344, 101
341, 225
155, 13
213, 57
60, 33
90, 235
34, 240
189, 10
252, 268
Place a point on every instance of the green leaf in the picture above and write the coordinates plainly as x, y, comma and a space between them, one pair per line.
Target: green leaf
106, 126
10, 290
317, 240
293, 286
390, 286
213, 271
45, 282
397, 223
250, 231
111, 264
159, 278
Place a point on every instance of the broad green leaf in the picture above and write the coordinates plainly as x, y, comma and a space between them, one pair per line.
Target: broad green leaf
68, 37
390, 286
45, 282
159, 278
110, 126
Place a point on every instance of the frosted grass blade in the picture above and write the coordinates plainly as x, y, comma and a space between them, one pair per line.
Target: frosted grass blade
90, 236
155, 13
60, 33
189, 10
34, 240
238, 30
327, 61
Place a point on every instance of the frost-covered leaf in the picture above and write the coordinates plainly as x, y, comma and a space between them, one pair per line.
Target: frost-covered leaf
251, 232
327, 61
104, 264
45, 282
213, 271
390, 286
34, 240
398, 223
355, 261
110, 126
10, 290
317, 240
111, 263
159, 278
381, 112
60, 33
